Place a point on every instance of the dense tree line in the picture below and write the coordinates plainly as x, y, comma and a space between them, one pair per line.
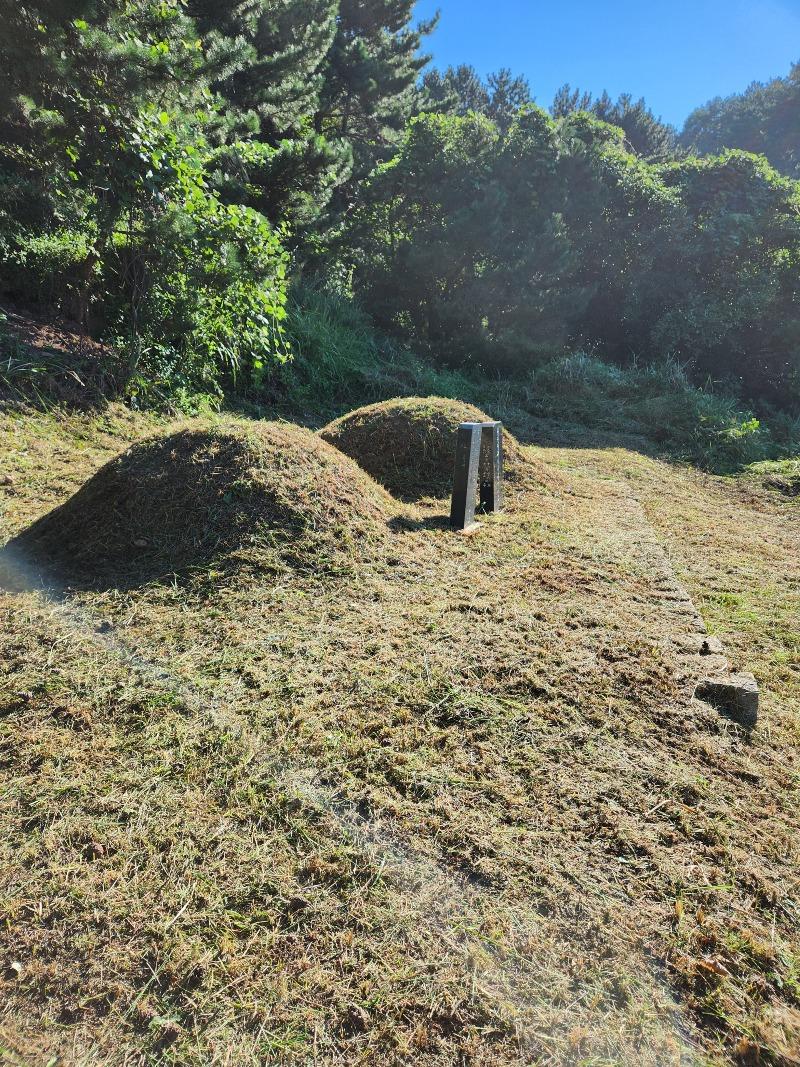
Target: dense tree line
168, 167
503, 248
765, 119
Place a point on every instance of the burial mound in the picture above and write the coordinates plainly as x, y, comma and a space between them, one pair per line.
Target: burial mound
268, 493
408, 445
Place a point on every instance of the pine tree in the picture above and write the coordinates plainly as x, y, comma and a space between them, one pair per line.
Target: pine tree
370, 89
323, 89
455, 91
646, 135
765, 119
459, 90
507, 96
272, 57
567, 100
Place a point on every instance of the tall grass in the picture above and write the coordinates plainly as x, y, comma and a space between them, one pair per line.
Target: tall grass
340, 361
706, 426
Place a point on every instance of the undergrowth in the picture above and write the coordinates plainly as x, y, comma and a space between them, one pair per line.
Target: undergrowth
706, 426
339, 361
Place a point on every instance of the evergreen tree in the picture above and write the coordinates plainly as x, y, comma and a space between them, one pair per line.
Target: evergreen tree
647, 136
275, 55
567, 100
455, 91
507, 96
459, 90
765, 119
323, 87
370, 89
276, 51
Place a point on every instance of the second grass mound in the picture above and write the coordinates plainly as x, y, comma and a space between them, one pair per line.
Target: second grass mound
409, 444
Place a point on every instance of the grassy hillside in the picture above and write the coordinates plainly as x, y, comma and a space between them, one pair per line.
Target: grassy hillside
444, 801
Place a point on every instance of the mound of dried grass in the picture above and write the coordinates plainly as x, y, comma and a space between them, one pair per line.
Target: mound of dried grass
266, 493
409, 444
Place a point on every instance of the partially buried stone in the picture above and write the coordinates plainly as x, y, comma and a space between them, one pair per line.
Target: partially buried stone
712, 646
700, 644
734, 694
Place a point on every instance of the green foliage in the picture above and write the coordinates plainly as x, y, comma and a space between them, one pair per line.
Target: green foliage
645, 134
659, 402
459, 90
341, 361
322, 87
501, 250
212, 314
734, 295
498, 250
51, 264
271, 59
106, 151
765, 119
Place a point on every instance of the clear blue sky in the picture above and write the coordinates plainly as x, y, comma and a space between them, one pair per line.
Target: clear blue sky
676, 54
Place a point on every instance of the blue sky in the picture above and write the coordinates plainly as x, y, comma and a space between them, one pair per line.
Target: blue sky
676, 54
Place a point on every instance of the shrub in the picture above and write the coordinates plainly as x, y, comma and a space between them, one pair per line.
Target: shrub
339, 360
657, 401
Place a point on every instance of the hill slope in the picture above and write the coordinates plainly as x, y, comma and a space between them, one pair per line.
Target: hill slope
455, 804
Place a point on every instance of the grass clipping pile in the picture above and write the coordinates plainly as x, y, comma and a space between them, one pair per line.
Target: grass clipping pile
409, 445
266, 494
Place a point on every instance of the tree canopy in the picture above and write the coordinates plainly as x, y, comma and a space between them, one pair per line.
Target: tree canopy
169, 167
765, 119
645, 134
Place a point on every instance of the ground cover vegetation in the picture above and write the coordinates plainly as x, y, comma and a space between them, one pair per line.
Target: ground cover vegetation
310, 779
289, 773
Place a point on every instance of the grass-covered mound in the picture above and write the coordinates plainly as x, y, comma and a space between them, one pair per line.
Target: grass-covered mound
409, 444
268, 493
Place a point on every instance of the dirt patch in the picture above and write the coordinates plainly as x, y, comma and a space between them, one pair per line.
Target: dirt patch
54, 358
270, 495
409, 445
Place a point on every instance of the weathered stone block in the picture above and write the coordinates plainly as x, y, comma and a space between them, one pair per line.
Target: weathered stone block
734, 694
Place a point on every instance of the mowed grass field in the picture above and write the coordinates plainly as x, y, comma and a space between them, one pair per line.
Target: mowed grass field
421, 799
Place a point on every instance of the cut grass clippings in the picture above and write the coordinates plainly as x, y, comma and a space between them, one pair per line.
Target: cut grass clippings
450, 805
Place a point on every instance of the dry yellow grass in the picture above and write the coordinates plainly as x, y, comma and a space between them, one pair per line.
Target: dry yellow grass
408, 444
451, 805
222, 493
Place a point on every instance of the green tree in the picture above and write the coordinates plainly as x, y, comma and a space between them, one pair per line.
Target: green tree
322, 89
272, 58
734, 301
500, 248
645, 134
503, 248
459, 90
106, 151
455, 91
765, 119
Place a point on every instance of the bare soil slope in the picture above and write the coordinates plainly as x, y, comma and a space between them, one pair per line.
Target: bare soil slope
454, 804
